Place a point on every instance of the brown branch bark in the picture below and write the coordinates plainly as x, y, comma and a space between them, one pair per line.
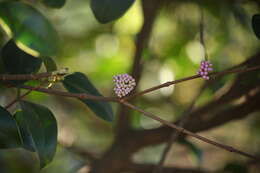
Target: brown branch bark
24, 76
150, 11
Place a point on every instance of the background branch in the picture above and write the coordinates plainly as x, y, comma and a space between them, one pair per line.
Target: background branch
150, 11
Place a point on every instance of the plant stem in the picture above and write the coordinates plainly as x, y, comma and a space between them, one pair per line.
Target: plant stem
4, 77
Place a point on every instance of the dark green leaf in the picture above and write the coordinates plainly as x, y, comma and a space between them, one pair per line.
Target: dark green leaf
50, 64
29, 28
108, 10
26, 136
16, 61
256, 25
79, 83
54, 3
41, 124
9, 133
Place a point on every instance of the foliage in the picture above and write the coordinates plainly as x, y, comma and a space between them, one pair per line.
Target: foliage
32, 41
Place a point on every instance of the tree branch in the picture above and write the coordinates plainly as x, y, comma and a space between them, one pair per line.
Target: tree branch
213, 74
197, 123
67, 94
150, 10
189, 133
38, 76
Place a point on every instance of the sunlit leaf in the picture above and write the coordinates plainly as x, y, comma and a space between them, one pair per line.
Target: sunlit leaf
9, 133
54, 3
41, 125
49, 64
79, 83
108, 10
256, 25
31, 31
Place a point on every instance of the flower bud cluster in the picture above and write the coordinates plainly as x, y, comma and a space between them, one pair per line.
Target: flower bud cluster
124, 84
205, 68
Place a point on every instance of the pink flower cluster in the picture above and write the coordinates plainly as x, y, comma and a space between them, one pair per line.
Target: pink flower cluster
124, 84
205, 68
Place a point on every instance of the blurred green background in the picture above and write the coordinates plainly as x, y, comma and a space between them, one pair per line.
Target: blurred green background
174, 51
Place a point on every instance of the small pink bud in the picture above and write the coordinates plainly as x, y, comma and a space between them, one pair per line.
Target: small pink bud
124, 84
205, 68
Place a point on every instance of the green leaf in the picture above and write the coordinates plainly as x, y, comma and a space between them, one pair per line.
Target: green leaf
50, 64
16, 61
79, 83
256, 25
108, 10
29, 28
9, 133
54, 3
27, 139
41, 125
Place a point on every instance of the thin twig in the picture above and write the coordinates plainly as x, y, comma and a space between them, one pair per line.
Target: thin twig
4, 77
187, 132
115, 99
215, 74
67, 94
23, 95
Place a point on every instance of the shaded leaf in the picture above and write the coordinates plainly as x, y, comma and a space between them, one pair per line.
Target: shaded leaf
108, 10
29, 28
9, 133
41, 125
16, 61
27, 140
50, 64
54, 3
256, 25
79, 83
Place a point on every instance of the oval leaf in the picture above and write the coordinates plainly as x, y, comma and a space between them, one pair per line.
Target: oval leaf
256, 25
54, 3
39, 122
26, 136
79, 83
9, 133
29, 28
109, 10
16, 61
